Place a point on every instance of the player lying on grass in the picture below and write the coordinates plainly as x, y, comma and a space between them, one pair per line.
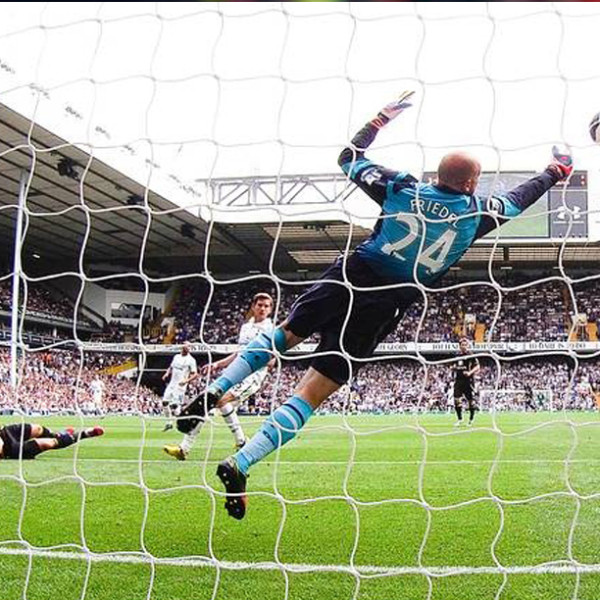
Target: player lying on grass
258, 320
27, 440
423, 230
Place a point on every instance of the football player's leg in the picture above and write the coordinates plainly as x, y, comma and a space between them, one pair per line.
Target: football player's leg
311, 310
287, 420
228, 406
278, 429
166, 408
167, 402
39, 431
252, 358
61, 439
177, 401
190, 426
166, 411
31, 448
255, 356
174, 409
458, 407
316, 307
181, 451
472, 408
327, 373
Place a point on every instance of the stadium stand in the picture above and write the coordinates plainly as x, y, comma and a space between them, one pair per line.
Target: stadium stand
537, 313
53, 382
56, 381
41, 302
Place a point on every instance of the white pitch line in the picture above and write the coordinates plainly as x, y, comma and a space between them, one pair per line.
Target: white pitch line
205, 562
166, 461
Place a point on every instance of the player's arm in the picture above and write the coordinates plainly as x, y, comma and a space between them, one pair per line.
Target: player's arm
368, 176
169, 371
191, 377
476, 368
218, 365
523, 196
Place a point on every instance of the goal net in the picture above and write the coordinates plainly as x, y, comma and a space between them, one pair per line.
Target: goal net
160, 166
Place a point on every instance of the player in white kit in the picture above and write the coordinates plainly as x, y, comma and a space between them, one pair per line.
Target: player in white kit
183, 370
258, 321
97, 389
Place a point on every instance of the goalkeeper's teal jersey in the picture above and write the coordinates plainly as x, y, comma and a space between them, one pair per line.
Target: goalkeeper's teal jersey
424, 228
421, 232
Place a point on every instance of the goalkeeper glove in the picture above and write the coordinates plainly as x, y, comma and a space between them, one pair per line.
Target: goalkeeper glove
392, 110
562, 163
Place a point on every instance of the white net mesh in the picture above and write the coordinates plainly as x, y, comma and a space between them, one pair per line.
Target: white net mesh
160, 164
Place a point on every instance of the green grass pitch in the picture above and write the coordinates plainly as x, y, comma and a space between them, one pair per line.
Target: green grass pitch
388, 494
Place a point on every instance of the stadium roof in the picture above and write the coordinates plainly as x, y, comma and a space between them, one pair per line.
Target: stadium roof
114, 204
57, 222
119, 221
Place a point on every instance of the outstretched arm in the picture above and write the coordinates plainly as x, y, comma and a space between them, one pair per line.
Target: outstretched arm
217, 365
368, 176
523, 196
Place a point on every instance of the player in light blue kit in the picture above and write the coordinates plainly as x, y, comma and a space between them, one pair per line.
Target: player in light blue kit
423, 229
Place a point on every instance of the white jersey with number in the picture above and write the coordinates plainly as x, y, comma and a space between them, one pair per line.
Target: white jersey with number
181, 368
254, 382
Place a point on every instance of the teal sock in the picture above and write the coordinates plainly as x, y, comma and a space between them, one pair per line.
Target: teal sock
254, 357
277, 430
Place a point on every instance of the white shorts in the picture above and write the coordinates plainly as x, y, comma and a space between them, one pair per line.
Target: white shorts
242, 391
98, 398
174, 394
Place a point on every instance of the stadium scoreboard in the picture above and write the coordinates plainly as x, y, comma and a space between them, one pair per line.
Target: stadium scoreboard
561, 211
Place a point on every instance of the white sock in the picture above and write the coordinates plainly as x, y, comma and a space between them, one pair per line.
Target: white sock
230, 416
166, 411
189, 439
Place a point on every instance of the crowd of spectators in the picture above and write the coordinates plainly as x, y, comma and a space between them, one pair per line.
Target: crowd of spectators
115, 332
40, 302
540, 312
586, 299
59, 381
531, 313
523, 311
384, 387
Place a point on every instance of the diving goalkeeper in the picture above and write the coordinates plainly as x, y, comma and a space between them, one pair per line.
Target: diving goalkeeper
423, 229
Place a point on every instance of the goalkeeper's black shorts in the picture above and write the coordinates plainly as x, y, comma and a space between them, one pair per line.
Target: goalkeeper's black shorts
373, 315
13, 436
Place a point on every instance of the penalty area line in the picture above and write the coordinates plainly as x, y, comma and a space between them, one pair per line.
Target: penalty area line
205, 562
166, 461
